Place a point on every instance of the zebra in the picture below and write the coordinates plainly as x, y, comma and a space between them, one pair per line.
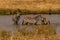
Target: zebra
45, 21
16, 18
29, 20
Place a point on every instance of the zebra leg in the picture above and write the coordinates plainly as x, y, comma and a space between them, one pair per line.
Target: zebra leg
16, 22
35, 23
26, 23
23, 22
47, 23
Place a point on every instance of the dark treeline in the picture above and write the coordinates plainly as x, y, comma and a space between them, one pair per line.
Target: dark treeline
24, 11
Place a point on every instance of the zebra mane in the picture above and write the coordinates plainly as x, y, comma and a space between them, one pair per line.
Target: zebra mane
38, 16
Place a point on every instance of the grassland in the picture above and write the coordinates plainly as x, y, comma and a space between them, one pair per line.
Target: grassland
40, 32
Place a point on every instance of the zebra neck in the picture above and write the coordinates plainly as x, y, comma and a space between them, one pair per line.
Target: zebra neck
37, 17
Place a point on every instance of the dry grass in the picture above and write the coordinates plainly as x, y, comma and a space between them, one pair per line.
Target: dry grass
40, 32
30, 4
36, 37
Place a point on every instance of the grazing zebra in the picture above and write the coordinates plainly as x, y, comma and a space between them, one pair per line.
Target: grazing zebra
16, 18
29, 20
45, 21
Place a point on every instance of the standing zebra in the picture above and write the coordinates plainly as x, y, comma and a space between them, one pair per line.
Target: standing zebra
16, 18
29, 20
45, 21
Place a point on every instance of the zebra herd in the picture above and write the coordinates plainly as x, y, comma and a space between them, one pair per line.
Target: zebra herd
29, 20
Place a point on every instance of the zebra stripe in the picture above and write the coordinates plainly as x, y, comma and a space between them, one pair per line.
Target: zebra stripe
30, 20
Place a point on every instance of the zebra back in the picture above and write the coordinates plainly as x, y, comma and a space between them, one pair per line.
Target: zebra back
30, 20
37, 17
